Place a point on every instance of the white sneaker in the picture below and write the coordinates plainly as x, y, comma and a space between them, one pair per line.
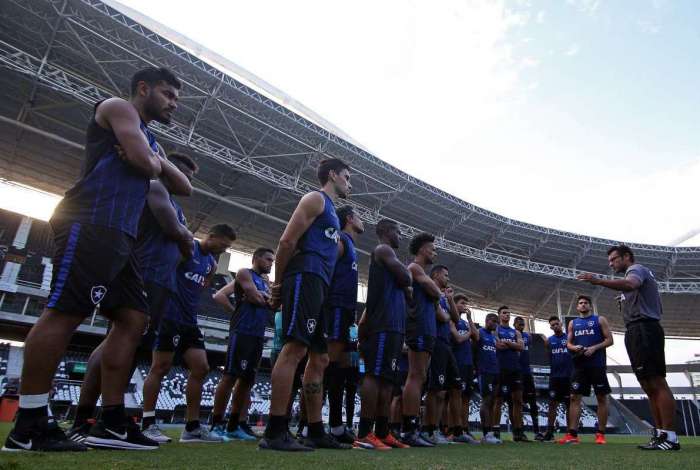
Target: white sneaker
201, 434
154, 432
490, 439
440, 438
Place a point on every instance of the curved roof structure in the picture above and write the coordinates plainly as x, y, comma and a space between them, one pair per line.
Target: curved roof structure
258, 150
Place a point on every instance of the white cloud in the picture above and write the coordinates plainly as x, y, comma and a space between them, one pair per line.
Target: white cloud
648, 26
590, 7
572, 50
529, 62
541, 16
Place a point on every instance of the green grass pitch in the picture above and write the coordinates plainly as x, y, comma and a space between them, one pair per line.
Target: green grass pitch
619, 454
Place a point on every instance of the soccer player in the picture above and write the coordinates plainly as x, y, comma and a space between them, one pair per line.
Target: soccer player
588, 337
249, 317
489, 371
509, 344
529, 392
381, 331
95, 227
644, 339
162, 238
339, 313
561, 367
352, 376
421, 329
306, 258
443, 375
463, 333
178, 331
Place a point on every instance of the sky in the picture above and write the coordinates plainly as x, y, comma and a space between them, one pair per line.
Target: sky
579, 115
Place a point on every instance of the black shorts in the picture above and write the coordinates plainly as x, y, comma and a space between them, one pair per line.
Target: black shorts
509, 381
443, 373
488, 384
157, 297
466, 373
559, 388
243, 355
421, 343
529, 390
94, 266
303, 295
337, 322
178, 337
381, 353
586, 377
644, 341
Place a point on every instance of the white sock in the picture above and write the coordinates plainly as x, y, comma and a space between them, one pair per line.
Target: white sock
34, 401
338, 430
149, 414
671, 435
305, 431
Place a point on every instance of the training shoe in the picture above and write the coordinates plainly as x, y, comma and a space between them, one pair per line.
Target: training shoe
414, 439
201, 434
248, 430
569, 439
661, 442
391, 441
652, 440
45, 436
548, 437
219, 431
491, 439
600, 438
440, 438
464, 439
154, 432
520, 437
347, 437
539, 437
326, 441
373, 441
80, 433
284, 443
126, 437
428, 438
239, 435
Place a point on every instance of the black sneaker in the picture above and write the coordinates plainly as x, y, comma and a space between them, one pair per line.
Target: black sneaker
248, 430
497, 434
284, 443
548, 437
79, 433
652, 441
126, 437
326, 441
661, 442
539, 437
300, 433
414, 439
348, 437
45, 436
520, 437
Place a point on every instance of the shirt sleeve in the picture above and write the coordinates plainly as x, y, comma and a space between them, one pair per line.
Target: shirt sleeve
638, 273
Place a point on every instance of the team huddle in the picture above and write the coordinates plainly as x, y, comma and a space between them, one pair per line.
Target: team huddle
123, 246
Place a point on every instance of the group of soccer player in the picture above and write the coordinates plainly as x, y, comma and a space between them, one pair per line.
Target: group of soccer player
122, 245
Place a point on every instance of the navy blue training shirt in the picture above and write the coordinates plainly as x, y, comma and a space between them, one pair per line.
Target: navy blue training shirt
560, 363
251, 319
318, 247
487, 359
525, 355
587, 332
443, 329
343, 290
191, 276
110, 192
386, 303
508, 359
463, 351
423, 312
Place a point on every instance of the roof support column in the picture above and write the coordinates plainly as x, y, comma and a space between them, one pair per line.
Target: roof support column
559, 311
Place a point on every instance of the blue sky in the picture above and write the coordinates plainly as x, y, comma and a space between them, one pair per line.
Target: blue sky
552, 112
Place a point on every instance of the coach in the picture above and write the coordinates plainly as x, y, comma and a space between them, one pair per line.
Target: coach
644, 339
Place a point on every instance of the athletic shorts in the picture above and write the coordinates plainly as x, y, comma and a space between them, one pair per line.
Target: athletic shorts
488, 384
381, 352
157, 297
644, 341
94, 266
466, 373
178, 337
303, 295
586, 377
529, 391
421, 343
509, 381
337, 321
443, 373
243, 355
559, 388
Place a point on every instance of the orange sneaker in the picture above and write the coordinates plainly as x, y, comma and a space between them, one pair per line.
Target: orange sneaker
569, 439
600, 438
391, 441
374, 441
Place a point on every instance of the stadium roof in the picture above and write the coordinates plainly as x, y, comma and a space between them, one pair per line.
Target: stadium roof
258, 149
